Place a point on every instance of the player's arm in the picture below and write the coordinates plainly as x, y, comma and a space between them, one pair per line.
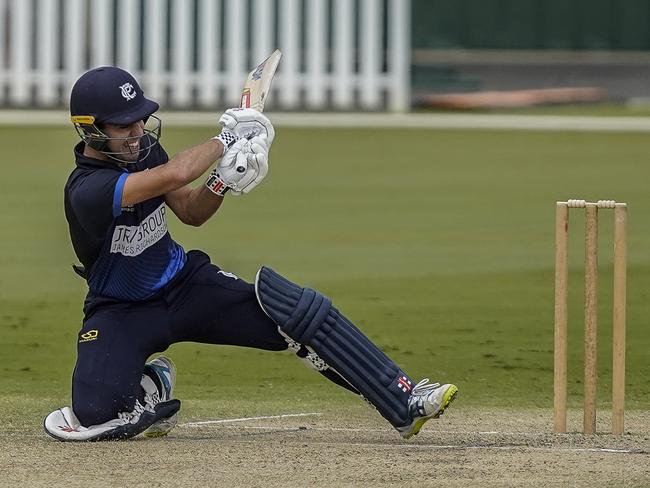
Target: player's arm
193, 206
241, 169
188, 165
182, 169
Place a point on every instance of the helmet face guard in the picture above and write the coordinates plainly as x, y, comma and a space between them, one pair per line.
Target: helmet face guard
95, 138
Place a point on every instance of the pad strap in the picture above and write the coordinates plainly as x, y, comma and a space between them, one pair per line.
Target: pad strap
308, 317
313, 361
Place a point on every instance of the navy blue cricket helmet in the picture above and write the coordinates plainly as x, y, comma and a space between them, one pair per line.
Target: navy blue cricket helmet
110, 95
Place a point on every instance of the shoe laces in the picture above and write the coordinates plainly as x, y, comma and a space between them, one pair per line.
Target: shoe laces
419, 396
133, 416
424, 387
152, 399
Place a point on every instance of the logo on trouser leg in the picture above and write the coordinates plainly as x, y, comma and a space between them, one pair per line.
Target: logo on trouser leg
91, 335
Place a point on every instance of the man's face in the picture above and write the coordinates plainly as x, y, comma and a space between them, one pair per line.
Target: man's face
127, 142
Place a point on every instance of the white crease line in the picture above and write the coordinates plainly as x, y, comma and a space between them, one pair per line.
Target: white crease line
244, 419
388, 430
357, 429
319, 429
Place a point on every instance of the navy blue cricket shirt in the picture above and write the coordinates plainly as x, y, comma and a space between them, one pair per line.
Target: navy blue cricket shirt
127, 252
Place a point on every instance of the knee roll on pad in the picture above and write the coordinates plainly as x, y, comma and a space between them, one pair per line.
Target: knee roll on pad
308, 317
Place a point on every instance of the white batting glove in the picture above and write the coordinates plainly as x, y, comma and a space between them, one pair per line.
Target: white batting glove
231, 168
257, 159
247, 123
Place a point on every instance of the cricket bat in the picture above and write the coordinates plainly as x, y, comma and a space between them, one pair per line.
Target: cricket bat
258, 84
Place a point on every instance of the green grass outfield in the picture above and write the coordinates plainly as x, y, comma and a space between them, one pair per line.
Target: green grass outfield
438, 244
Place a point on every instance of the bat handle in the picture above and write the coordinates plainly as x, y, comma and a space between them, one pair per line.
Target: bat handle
245, 101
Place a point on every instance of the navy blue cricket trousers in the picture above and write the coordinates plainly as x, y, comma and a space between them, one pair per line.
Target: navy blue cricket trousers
201, 304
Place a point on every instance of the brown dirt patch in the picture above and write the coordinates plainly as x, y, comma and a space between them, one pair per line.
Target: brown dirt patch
465, 448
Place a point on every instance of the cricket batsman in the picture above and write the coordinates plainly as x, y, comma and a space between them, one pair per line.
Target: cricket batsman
145, 292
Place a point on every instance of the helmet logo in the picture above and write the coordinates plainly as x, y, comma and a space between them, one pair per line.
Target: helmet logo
128, 91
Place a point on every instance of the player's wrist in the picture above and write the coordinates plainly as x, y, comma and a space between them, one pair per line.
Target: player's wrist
227, 138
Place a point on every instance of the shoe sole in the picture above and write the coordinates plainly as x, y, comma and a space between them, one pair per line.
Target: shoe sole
447, 398
161, 428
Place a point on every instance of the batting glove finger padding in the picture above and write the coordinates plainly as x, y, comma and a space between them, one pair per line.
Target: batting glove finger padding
260, 144
250, 172
258, 164
247, 123
263, 168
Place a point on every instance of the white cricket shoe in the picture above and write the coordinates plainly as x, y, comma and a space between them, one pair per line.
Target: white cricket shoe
63, 424
165, 371
427, 401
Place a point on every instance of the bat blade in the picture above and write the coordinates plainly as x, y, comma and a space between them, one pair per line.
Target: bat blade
258, 84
